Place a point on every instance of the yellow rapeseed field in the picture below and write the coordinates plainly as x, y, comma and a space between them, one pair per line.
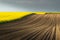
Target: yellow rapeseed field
7, 16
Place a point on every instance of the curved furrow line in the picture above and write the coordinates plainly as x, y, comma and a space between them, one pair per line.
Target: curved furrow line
33, 38
44, 33
47, 35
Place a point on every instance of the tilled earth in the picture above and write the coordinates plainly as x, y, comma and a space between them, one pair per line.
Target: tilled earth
32, 27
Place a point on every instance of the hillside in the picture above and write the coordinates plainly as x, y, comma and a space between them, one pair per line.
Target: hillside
32, 27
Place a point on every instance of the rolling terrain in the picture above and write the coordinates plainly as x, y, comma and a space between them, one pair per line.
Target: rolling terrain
32, 27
